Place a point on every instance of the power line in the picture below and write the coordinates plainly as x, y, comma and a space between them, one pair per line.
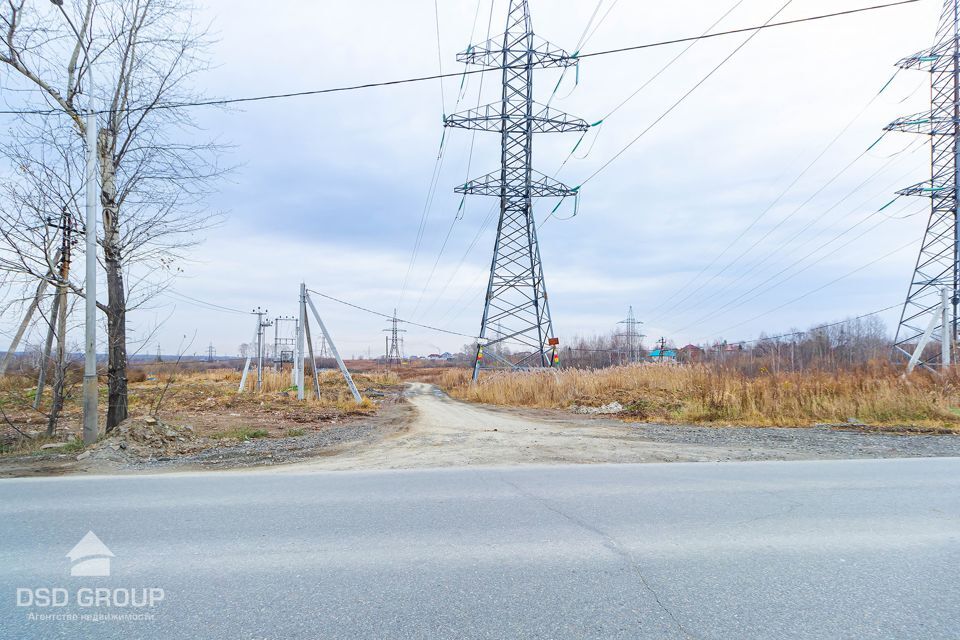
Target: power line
769, 208
200, 303
646, 84
390, 316
818, 327
700, 83
427, 78
463, 202
821, 288
716, 293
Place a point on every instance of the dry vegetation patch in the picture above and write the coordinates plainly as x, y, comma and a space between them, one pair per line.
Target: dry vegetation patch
875, 395
176, 411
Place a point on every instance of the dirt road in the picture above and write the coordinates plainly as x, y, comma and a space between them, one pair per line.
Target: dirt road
429, 429
443, 432
446, 432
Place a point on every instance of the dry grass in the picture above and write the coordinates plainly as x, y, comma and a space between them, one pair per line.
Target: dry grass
217, 388
877, 395
207, 400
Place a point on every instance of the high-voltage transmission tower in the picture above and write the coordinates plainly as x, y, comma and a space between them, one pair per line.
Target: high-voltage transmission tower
937, 274
516, 294
394, 341
632, 337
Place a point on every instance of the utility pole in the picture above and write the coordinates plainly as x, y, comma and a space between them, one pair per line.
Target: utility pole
394, 342
661, 347
632, 335
261, 326
516, 293
159, 357
336, 354
302, 329
91, 429
211, 352
58, 321
938, 265
25, 323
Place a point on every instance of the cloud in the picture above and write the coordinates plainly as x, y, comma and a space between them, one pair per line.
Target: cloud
332, 188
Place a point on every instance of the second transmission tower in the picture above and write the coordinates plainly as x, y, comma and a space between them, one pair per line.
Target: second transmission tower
632, 337
516, 294
937, 272
394, 341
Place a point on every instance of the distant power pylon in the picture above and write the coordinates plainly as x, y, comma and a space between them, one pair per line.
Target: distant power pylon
516, 294
632, 336
211, 353
938, 266
394, 342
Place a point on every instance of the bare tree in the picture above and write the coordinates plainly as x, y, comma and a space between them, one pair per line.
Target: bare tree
154, 175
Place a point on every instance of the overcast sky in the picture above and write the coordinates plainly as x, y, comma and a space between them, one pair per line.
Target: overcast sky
331, 189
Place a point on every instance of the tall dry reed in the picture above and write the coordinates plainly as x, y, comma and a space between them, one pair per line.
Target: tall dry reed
877, 395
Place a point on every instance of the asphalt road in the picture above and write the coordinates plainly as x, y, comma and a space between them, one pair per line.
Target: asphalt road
851, 549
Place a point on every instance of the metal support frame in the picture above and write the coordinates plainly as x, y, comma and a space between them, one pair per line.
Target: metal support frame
938, 265
516, 294
284, 349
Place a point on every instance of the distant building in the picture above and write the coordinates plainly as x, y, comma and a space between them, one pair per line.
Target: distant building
691, 353
663, 355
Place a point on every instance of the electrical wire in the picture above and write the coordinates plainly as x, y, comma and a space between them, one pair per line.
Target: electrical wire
663, 303
453, 274
210, 306
643, 86
686, 95
822, 287
818, 327
390, 317
461, 211
438, 164
427, 78
778, 251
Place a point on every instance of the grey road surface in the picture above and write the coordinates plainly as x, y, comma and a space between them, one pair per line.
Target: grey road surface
833, 549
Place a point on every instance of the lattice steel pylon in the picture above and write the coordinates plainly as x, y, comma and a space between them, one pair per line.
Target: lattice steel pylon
632, 337
938, 265
516, 294
395, 342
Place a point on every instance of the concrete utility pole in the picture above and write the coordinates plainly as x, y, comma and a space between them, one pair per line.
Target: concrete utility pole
261, 326
336, 354
25, 323
91, 430
301, 328
661, 346
945, 340
246, 364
